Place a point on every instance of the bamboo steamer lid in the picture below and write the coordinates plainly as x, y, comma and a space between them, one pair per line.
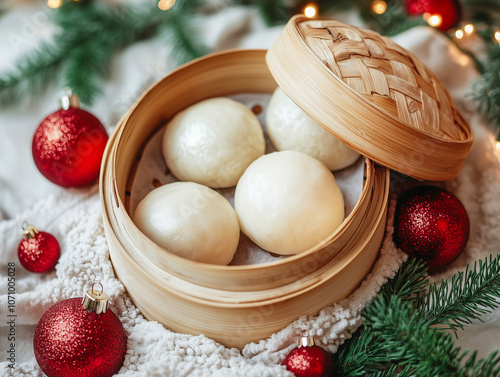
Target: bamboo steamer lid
373, 95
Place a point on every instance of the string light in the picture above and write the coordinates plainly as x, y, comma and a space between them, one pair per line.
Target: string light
459, 34
497, 36
469, 28
310, 10
435, 20
54, 3
166, 4
379, 7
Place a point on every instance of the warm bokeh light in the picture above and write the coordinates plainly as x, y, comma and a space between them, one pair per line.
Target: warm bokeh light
310, 11
459, 34
469, 28
435, 20
379, 6
54, 3
497, 36
166, 4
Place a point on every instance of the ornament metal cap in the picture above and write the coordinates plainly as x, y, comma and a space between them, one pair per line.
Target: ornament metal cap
306, 341
95, 301
68, 99
29, 231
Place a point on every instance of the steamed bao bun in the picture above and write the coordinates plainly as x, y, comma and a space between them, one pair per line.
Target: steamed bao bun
212, 142
290, 128
190, 220
287, 202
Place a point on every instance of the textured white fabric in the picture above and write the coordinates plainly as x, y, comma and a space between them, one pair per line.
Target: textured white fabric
74, 216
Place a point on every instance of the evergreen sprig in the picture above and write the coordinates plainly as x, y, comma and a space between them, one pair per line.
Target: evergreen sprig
32, 75
409, 283
178, 27
94, 32
403, 333
90, 33
486, 90
408, 339
465, 297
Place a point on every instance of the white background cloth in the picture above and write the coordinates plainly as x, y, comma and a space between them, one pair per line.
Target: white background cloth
73, 215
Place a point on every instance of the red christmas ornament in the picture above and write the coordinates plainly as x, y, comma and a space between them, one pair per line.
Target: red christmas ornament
449, 11
432, 224
308, 360
80, 338
38, 251
68, 145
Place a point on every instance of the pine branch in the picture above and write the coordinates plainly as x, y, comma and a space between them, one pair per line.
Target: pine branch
400, 337
419, 349
178, 28
361, 354
484, 368
486, 90
394, 371
91, 33
88, 61
409, 283
84, 68
465, 298
274, 12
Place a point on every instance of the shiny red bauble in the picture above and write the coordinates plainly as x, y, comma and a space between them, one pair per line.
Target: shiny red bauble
431, 224
68, 146
38, 251
309, 360
69, 341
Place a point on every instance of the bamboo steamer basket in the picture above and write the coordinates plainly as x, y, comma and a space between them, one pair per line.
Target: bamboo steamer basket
236, 305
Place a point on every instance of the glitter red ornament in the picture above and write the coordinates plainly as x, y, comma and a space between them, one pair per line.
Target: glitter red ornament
430, 223
68, 145
80, 338
38, 251
309, 360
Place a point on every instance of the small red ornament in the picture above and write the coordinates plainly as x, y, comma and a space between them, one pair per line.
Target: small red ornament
80, 338
38, 251
68, 145
449, 11
432, 224
309, 360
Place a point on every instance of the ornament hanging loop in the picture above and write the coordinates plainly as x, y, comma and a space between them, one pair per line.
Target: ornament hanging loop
29, 231
68, 99
95, 301
102, 289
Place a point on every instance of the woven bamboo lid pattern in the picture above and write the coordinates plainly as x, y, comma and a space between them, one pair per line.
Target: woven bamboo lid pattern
373, 95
